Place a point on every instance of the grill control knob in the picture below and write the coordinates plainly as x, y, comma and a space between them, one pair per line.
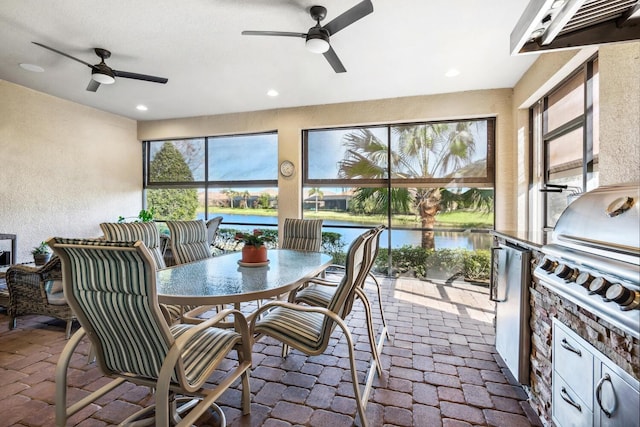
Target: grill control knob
548, 265
584, 279
620, 294
564, 271
599, 286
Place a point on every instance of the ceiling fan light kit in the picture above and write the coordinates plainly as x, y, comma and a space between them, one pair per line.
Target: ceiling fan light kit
103, 74
317, 38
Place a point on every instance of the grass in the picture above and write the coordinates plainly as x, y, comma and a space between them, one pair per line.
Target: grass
455, 219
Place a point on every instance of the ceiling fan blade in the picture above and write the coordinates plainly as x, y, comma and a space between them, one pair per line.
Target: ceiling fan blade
63, 54
273, 33
334, 61
93, 86
145, 77
357, 12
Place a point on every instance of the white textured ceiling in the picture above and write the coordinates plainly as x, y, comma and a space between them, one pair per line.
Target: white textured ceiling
403, 48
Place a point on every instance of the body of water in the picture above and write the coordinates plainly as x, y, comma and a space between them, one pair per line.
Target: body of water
399, 238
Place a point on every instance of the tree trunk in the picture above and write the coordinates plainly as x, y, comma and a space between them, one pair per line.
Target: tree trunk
428, 209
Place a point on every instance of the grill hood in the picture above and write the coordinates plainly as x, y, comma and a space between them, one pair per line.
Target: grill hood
562, 24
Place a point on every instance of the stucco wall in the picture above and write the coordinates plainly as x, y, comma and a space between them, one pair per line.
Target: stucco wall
64, 168
289, 124
619, 113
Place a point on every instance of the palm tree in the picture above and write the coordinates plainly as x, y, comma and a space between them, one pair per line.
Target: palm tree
431, 150
231, 194
318, 193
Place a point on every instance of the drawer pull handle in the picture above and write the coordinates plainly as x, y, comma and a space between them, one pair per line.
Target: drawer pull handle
565, 396
569, 347
606, 377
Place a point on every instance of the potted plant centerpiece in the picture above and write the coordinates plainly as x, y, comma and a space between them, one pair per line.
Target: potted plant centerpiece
41, 253
254, 250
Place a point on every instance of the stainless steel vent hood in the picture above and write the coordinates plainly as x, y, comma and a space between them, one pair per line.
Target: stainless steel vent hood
562, 24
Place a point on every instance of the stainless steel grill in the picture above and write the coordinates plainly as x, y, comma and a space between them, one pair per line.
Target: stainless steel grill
594, 255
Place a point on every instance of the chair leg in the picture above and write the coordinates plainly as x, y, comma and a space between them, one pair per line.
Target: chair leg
13, 323
370, 330
354, 373
68, 329
384, 320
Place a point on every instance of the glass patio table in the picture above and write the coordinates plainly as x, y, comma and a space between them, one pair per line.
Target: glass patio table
221, 280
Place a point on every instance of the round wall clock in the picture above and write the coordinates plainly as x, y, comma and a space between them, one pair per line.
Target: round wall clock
287, 168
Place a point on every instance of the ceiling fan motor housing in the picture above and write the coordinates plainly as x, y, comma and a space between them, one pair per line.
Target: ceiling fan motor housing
103, 74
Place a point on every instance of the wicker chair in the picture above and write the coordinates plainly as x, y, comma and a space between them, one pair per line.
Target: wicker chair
112, 288
302, 234
38, 290
308, 329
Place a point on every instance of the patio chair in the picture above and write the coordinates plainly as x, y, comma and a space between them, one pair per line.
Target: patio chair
308, 329
302, 234
212, 231
189, 241
146, 232
111, 286
38, 290
318, 292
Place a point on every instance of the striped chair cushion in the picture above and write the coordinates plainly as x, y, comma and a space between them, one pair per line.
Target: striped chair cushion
293, 327
316, 295
188, 241
147, 232
302, 234
198, 352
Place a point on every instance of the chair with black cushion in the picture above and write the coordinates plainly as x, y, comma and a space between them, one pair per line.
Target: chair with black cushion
189, 241
111, 286
308, 329
319, 291
302, 234
148, 233
38, 290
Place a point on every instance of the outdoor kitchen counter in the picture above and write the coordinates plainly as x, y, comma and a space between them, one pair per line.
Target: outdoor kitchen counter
529, 239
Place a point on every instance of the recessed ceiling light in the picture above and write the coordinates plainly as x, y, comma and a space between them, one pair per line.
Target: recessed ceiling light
141, 107
272, 92
32, 67
452, 72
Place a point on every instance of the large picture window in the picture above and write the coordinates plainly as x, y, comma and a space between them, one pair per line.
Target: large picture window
431, 183
210, 176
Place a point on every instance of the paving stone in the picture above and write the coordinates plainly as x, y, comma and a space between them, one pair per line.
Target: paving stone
448, 422
298, 379
493, 376
444, 368
116, 411
470, 375
393, 398
270, 394
398, 416
506, 404
506, 390
295, 394
499, 418
321, 396
450, 394
426, 394
424, 415
462, 412
442, 379
295, 414
322, 418
477, 396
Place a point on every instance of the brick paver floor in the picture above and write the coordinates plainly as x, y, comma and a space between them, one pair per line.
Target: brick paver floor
440, 369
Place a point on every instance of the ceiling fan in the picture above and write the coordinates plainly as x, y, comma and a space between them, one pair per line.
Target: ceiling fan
317, 38
103, 74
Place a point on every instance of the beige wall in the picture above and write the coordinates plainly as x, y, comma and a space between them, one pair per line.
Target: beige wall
289, 124
64, 168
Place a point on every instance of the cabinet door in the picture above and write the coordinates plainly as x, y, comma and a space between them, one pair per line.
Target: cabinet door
618, 398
